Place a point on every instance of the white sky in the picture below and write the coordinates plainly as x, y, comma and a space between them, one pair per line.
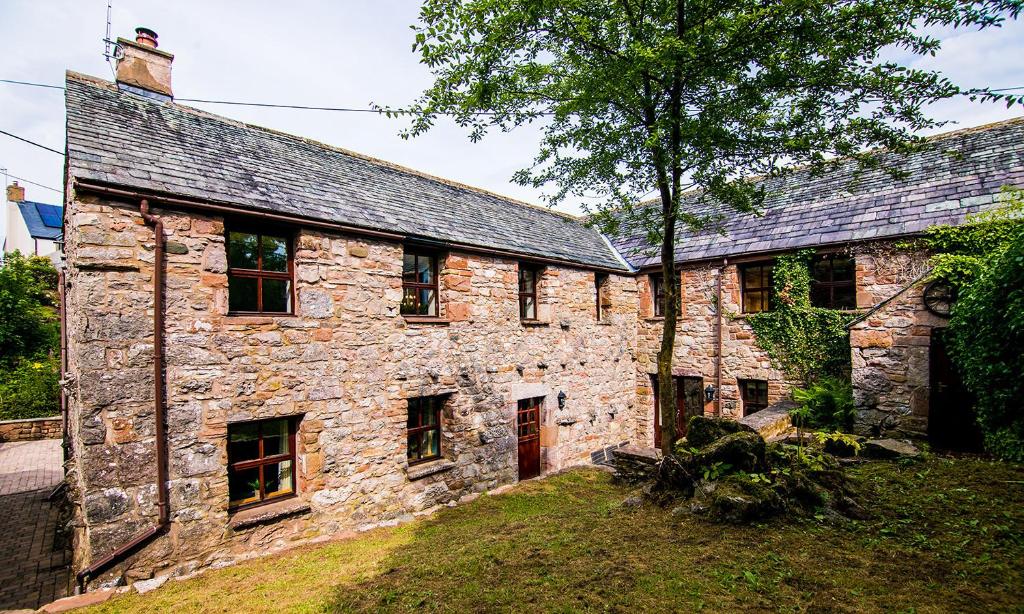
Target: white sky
343, 53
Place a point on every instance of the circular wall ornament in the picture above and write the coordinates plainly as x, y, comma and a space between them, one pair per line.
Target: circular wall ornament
939, 297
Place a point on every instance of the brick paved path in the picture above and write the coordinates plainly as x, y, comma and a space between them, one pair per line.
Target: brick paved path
33, 568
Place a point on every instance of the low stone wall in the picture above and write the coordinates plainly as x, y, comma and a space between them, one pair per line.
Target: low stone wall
772, 421
30, 429
634, 464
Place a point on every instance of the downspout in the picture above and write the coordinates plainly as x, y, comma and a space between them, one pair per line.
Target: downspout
718, 340
99, 566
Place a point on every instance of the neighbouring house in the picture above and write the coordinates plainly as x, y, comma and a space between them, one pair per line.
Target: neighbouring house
32, 228
271, 340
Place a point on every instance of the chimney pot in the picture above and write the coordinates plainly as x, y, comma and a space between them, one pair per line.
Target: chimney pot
15, 193
147, 37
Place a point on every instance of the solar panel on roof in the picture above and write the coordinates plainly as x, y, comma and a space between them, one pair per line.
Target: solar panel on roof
50, 214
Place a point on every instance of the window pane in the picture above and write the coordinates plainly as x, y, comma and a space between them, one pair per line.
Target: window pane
243, 442
277, 295
242, 250
414, 446
844, 297
425, 269
242, 294
408, 306
429, 444
526, 281
752, 302
820, 270
415, 407
275, 437
244, 486
277, 478
275, 254
752, 277
842, 269
409, 267
428, 302
528, 309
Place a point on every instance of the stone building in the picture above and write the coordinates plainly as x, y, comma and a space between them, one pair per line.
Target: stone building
271, 340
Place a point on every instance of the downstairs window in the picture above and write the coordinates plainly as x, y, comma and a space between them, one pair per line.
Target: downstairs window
261, 461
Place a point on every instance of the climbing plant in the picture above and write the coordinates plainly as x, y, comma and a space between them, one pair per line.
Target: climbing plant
984, 260
804, 342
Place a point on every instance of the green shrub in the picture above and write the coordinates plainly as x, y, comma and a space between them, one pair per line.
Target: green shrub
30, 389
987, 337
826, 403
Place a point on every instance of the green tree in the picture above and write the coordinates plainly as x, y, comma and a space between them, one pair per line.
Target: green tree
663, 96
29, 325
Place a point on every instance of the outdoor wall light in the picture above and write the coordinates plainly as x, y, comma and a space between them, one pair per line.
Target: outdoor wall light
561, 399
709, 393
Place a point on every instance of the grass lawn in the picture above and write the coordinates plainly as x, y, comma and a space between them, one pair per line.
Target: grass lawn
946, 535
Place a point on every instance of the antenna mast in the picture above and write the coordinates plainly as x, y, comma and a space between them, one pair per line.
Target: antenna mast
109, 44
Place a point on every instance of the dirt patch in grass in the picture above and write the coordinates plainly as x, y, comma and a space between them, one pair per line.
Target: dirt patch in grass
946, 535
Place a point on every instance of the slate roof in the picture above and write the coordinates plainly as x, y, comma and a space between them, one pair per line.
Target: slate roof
961, 172
126, 140
43, 220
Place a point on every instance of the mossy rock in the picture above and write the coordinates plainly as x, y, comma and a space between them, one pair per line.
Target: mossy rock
741, 451
739, 500
703, 430
676, 476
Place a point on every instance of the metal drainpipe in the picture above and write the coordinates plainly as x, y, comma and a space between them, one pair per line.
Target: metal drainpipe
718, 341
158, 408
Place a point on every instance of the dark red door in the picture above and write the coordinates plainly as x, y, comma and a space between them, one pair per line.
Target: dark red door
528, 427
952, 423
681, 411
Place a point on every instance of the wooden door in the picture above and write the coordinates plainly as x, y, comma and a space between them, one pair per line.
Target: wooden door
952, 423
692, 392
528, 428
681, 415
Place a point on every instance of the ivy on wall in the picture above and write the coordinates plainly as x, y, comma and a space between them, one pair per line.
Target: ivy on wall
804, 342
984, 260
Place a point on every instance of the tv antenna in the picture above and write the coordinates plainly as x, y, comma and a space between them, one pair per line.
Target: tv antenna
111, 50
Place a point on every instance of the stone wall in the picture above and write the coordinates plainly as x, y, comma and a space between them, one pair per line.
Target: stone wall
890, 352
30, 429
696, 344
344, 365
882, 270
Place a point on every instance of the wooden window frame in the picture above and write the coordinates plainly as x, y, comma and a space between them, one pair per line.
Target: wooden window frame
757, 403
831, 285
531, 408
418, 253
600, 280
535, 272
262, 461
657, 283
419, 430
764, 291
258, 273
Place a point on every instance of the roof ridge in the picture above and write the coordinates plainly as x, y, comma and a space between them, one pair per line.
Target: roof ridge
96, 81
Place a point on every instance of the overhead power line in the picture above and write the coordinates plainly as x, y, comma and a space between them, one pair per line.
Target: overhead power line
15, 136
30, 182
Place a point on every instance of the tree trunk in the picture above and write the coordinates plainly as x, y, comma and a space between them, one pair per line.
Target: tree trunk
666, 383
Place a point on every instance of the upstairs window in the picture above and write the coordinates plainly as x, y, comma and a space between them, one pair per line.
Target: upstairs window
527, 292
754, 393
419, 284
259, 272
657, 294
600, 279
756, 282
424, 429
833, 283
261, 461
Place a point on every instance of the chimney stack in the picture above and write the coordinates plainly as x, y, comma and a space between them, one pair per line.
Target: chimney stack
144, 67
15, 193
